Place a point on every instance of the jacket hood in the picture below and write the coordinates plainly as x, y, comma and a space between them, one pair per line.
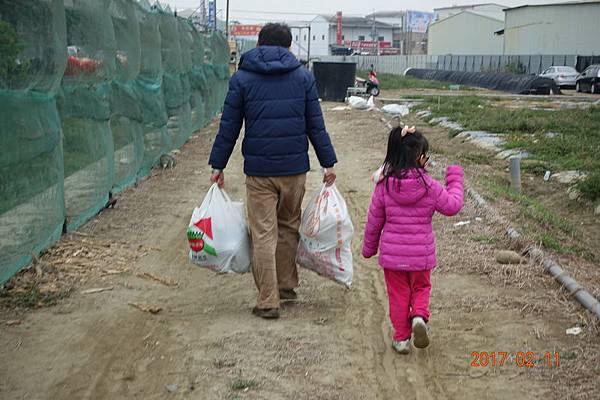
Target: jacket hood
269, 60
411, 189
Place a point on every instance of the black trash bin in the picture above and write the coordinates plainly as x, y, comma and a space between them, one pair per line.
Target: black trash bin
333, 79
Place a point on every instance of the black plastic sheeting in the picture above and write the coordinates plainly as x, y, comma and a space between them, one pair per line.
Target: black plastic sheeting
334, 79
521, 84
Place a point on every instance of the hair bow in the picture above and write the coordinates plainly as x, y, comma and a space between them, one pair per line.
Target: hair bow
406, 130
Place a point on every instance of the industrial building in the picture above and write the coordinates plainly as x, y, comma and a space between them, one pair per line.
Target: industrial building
467, 32
557, 28
323, 34
409, 29
393, 18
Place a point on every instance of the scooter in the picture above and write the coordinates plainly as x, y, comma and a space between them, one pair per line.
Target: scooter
365, 87
372, 84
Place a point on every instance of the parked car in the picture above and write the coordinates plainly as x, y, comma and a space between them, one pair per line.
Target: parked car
563, 76
589, 80
341, 51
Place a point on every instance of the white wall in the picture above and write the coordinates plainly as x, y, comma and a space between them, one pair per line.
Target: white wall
564, 29
351, 33
465, 34
321, 37
319, 46
396, 22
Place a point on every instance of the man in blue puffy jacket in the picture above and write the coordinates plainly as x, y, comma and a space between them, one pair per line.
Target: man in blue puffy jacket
277, 101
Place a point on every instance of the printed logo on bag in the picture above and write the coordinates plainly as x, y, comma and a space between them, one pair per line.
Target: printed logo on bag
198, 234
313, 220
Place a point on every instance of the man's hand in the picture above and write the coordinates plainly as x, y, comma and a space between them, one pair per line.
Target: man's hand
218, 177
329, 177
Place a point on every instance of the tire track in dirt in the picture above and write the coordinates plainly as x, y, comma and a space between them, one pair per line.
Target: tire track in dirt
394, 378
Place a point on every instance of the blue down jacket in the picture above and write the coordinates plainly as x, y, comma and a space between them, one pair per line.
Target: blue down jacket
277, 101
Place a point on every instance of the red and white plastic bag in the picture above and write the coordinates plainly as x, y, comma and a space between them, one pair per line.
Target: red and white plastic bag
326, 236
218, 234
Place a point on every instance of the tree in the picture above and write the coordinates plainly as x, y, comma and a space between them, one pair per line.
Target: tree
11, 68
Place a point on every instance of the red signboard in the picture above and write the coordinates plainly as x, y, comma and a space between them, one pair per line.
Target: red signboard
339, 28
362, 44
245, 30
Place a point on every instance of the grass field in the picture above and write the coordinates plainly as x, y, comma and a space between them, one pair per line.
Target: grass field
395, 82
577, 146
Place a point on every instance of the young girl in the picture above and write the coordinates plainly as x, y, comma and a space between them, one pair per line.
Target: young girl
399, 225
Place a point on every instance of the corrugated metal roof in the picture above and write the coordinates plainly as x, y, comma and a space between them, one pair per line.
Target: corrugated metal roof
387, 14
356, 21
566, 3
495, 16
469, 5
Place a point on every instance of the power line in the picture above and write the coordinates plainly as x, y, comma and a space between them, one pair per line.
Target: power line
291, 13
264, 19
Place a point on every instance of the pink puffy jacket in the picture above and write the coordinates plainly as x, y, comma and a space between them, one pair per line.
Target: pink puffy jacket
399, 221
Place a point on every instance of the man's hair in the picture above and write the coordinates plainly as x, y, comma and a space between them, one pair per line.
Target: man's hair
275, 35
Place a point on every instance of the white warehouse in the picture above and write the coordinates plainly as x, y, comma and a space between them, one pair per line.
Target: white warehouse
558, 28
467, 32
323, 33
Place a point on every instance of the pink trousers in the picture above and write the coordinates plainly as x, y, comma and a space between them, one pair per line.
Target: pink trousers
408, 293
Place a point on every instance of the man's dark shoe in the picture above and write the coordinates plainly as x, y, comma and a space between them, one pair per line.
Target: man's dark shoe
287, 294
267, 313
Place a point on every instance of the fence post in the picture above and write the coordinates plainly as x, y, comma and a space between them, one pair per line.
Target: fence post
515, 173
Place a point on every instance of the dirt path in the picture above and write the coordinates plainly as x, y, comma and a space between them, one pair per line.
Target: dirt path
331, 344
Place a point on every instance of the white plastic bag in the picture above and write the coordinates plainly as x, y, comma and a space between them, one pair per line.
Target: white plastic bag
326, 236
371, 103
358, 103
377, 176
396, 109
218, 234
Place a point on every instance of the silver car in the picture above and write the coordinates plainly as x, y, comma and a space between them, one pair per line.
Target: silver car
563, 76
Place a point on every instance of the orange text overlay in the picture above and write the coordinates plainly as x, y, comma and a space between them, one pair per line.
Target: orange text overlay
521, 359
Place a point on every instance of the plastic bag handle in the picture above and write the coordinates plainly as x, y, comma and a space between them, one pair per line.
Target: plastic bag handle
216, 189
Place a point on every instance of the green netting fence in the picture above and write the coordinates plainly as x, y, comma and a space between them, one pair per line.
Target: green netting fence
92, 93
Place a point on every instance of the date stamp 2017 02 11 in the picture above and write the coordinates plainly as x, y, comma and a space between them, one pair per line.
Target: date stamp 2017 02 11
521, 359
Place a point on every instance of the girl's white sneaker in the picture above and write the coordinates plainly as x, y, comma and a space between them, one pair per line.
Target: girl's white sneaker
420, 333
402, 347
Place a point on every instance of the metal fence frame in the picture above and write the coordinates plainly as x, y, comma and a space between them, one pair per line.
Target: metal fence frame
524, 64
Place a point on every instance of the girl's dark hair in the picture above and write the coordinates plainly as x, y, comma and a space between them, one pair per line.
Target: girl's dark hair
403, 154
275, 35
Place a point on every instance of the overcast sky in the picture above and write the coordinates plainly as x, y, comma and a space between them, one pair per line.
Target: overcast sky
264, 10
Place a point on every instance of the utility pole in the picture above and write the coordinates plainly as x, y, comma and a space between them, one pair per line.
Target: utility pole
308, 52
227, 21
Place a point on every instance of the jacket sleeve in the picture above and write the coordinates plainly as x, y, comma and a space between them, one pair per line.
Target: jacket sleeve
450, 199
315, 126
375, 222
230, 126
